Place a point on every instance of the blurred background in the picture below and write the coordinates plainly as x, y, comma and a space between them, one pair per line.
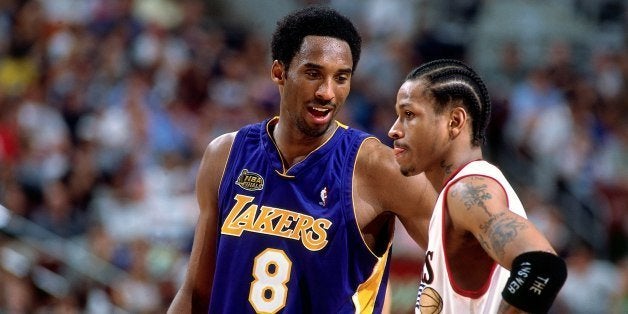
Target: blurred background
107, 105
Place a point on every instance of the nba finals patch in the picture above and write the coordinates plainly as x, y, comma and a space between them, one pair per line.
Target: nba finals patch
250, 181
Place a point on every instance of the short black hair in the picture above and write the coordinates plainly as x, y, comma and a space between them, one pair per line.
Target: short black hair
316, 21
449, 80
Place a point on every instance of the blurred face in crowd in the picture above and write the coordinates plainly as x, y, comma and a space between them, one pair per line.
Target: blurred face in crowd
316, 84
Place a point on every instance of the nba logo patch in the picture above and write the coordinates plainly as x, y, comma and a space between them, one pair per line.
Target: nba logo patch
323, 195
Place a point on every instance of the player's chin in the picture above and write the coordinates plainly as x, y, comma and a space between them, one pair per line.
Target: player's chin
314, 131
405, 166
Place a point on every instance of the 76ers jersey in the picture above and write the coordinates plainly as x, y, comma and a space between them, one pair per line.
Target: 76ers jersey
288, 239
437, 291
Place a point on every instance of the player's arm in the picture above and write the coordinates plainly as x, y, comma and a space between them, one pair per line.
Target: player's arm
479, 205
194, 294
411, 199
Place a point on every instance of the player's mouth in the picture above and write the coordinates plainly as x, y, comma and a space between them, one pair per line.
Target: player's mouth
320, 114
398, 150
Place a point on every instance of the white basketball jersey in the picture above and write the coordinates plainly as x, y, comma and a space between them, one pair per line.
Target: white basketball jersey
437, 292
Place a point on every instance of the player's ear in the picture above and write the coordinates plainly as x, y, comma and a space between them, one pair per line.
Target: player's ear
277, 72
457, 121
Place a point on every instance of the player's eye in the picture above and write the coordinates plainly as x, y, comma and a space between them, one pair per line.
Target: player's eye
342, 78
312, 74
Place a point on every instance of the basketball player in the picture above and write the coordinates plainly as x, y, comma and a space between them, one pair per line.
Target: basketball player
297, 212
478, 231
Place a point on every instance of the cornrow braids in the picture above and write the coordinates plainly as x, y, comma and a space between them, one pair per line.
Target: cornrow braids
449, 80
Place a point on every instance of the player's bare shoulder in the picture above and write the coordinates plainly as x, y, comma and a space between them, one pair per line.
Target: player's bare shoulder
476, 195
479, 204
217, 151
221, 144
381, 182
213, 165
375, 162
379, 172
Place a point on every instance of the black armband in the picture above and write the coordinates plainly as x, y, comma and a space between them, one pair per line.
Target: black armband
535, 279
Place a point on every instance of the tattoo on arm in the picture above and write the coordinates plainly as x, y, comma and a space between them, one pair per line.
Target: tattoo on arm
500, 231
484, 243
473, 195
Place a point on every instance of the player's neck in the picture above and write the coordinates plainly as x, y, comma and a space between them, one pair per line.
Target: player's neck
293, 145
450, 165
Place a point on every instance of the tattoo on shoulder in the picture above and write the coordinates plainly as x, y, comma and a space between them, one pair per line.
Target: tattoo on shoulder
473, 195
501, 230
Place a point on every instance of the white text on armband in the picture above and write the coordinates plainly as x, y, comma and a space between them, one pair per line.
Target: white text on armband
523, 273
539, 284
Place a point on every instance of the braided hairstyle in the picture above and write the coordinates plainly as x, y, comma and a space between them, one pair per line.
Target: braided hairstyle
450, 80
316, 21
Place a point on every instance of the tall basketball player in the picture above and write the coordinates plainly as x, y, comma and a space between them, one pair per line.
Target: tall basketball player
297, 212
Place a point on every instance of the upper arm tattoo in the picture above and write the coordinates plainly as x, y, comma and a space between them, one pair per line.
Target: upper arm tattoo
473, 195
499, 229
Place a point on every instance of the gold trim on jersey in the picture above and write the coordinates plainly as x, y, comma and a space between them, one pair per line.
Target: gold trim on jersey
284, 171
365, 296
353, 200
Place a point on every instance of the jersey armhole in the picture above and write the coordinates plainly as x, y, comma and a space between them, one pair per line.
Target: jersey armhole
227, 175
357, 144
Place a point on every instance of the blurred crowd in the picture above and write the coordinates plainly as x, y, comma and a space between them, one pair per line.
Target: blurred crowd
106, 107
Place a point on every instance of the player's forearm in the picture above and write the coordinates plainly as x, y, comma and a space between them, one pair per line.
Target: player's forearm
182, 303
506, 308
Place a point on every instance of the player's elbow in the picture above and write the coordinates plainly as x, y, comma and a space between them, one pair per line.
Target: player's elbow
190, 299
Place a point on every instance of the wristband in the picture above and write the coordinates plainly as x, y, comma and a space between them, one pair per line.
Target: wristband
535, 279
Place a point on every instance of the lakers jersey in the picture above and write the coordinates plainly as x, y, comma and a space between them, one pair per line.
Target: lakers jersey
288, 238
437, 292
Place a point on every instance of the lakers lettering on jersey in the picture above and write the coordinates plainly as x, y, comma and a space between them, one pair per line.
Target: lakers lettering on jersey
245, 216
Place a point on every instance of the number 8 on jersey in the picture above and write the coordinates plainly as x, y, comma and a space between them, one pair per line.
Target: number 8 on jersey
271, 270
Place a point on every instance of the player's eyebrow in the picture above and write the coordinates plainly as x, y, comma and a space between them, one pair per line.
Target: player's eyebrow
311, 65
403, 106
